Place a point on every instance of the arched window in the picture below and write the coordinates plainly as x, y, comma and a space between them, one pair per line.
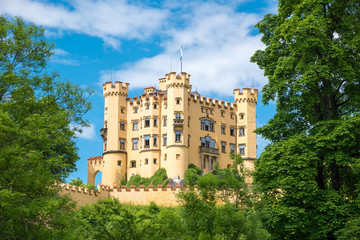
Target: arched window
207, 125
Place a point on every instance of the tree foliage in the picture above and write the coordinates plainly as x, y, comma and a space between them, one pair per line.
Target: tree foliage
37, 145
159, 178
309, 174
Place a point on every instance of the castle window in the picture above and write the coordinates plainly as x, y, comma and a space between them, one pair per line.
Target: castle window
135, 109
207, 125
155, 106
165, 121
232, 147
165, 105
122, 126
241, 116
188, 121
122, 110
211, 112
223, 131
177, 136
165, 157
222, 113
147, 122
147, 106
223, 146
165, 140
155, 140
178, 101
178, 115
155, 160
177, 156
119, 163
105, 145
207, 142
232, 116
188, 140
135, 126
232, 132
146, 141
202, 109
241, 131
242, 149
155, 121
122, 144
146, 161
133, 164
135, 145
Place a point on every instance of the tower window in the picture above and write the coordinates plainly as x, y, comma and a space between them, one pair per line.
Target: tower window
241, 116
122, 144
133, 164
165, 157
135, 144
222, 113
178, 115
165, 121
122, 126
135, 109
119, 163
232, 116
232, 132
177, 156
146, 141
242, 149
177, 136
147, 122
155, 140
155, 121
122, 110
178, 101
155, 160
135, 126
146, 161
147, 106
105, 145
155, 106
241, 131
165, 140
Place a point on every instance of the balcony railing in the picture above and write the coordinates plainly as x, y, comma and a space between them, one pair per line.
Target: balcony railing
103, 133
209, 150
178, 121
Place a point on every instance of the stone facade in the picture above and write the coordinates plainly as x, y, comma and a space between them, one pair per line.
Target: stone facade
171, 127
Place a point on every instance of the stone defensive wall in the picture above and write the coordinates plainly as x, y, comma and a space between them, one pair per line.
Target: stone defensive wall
162, 196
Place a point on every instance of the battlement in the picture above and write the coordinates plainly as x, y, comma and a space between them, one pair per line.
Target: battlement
247, 94
173, 78
95, 160
119, 88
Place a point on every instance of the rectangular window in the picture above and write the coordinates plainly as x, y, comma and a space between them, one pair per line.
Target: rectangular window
122, 144
155, 106
133, 164
223, 129
135, 110
105, 145
242, 149
135, 144
147, 106
207, 125
232, 132
165, 121
232, 147
146, 141
223, 146
241, 132
155, 140
147, 122
135, 126
122, 110
146, 161
222, 113
155, 160
178, 115
122, 126
165, 140
155, 121
177, 136
188, 140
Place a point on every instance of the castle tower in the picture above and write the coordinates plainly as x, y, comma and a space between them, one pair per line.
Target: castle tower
246, 124
114, 155
177, 87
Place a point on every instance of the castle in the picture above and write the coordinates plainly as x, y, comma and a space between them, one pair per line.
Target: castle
170, 128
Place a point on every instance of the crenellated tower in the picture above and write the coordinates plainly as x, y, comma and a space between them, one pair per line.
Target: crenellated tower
114, 155
177, 87
246, 124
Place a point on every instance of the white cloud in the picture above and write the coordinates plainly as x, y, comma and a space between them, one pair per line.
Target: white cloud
87, 133
217, 48
63, 57
110, 20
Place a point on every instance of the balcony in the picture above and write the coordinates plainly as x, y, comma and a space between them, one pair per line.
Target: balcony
103, 133
209, 150
178, 123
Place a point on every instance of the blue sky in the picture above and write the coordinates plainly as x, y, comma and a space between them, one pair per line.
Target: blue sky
139, 42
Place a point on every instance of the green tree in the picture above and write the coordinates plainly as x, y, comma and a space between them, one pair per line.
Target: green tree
309, 173
37, 145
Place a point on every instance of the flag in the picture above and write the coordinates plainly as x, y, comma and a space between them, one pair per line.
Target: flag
181, 53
